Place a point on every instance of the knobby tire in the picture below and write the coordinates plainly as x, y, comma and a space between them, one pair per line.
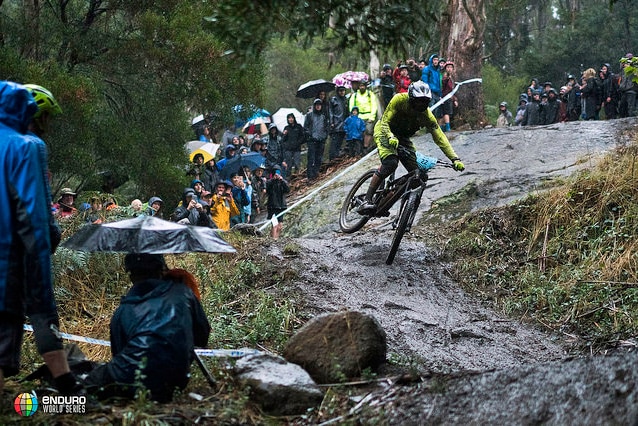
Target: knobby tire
407, 215
355, 221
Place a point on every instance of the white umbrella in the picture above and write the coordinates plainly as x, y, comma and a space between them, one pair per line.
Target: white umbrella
207, 149
279, 118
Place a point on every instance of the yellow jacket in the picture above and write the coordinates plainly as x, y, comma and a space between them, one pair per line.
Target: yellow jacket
222, 208
367, 104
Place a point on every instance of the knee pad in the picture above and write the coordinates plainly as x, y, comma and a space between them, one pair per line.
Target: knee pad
46, 332
388, 166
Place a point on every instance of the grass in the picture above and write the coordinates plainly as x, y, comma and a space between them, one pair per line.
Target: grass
244, 296
565, 258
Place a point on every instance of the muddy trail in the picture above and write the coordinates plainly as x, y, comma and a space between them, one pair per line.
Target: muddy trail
477, 365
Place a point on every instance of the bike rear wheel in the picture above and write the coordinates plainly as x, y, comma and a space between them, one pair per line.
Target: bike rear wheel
406, 216
350, 220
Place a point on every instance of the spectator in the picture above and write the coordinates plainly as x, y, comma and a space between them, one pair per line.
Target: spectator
210, 175
273, 149
229, 153
65, 208
338, 114
387, 84
190, 211
26, 284
222, 205
197, 167
205, 134
447, 85
154, 333
551, 110
294, 137
241, 197
547, 86
532, 114
589, 94
366, 101
248, 186
402, 79
154, 206
136, 206
432, 76
316, 127
610, 92
354, 127
276, 190
504, 117
534, 87
627, 89
94, 214
563, 115
414, 71
198, 186
259, 193
325, 103
520, 110
228, 135
257, 144
572, 95
542, 108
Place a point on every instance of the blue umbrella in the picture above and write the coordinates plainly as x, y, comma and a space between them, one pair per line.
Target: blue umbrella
235, 164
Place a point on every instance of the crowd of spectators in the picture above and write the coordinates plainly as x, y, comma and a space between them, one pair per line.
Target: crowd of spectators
594, 95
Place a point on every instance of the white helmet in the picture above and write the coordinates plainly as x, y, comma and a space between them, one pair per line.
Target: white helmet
419, 89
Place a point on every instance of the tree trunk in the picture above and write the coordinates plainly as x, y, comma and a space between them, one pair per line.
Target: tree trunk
462, 30
30, 46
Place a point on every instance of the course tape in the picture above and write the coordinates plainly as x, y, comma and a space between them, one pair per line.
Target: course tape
222, 353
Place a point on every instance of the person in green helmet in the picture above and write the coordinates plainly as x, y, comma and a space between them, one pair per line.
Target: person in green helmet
405, 114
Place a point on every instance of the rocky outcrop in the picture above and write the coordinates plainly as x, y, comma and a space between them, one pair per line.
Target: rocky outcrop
279, 387
337, 346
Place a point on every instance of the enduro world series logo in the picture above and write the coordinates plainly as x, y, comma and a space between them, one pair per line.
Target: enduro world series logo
26, 404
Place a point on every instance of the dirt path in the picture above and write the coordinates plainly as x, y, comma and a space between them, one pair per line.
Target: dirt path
426, 315
497, 369
428, 319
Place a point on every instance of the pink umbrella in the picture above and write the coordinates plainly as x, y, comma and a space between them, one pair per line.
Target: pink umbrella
346, 78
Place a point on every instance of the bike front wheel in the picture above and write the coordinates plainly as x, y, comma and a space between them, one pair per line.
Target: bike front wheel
350, 220
406, 216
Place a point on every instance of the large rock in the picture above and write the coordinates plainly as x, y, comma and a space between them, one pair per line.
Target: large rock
334, 346
279, 387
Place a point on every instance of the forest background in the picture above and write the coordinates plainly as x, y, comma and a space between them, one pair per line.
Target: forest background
130, 76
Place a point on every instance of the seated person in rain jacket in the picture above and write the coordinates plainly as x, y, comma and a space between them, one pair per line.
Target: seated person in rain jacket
153, 332
191, 211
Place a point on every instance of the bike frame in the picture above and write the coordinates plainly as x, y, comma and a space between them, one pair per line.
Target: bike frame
400, 188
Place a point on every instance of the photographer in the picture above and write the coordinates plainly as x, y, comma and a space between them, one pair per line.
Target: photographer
190, 211
222, 205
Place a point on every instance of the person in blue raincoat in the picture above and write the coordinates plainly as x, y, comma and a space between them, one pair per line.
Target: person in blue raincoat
28, 236
154, 332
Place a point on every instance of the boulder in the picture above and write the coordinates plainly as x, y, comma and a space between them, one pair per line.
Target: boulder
337, 346
279, 387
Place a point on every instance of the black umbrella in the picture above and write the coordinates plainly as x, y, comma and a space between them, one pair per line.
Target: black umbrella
147, 234
311, 89
234, 165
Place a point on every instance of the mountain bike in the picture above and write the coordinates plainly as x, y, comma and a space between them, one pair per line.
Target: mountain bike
408, 188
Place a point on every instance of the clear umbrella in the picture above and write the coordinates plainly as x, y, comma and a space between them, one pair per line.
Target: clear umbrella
147, 234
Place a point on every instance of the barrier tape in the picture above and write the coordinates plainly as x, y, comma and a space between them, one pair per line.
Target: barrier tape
449, 95
220, 353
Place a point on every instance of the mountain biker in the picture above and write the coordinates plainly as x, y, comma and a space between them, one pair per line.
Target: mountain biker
405, 114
